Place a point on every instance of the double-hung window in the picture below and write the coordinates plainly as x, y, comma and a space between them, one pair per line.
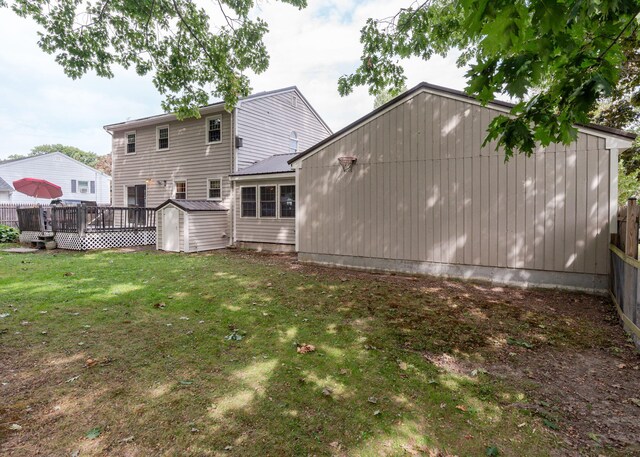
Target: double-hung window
248, 202
131, 142
293, 142
180, 190
214, 189
162, 134
214, 130
288, 201
267, 201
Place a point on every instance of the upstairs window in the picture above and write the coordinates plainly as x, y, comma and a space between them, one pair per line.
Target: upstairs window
287, 201
293, 142
214, 189
181, 190
267, 201
214, 130
162, 134
248, 202
131, 142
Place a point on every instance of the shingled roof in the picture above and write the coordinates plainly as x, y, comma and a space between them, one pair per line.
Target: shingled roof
4, 186
274, 164
194, 205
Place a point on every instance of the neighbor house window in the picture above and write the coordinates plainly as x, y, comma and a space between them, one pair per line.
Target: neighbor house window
287, 201
214, 189
293, 142
181, 190
248, 198
83, 187
214, 129
267, 201
131, 143
163, 137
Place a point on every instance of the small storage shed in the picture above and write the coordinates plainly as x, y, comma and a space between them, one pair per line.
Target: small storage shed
191, 226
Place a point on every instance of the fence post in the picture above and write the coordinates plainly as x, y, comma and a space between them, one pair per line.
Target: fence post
82, 219
631, 241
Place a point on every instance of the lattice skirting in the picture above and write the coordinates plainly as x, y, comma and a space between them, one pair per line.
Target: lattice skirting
92, 241
28, 237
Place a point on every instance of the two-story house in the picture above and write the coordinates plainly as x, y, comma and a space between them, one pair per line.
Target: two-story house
159, 158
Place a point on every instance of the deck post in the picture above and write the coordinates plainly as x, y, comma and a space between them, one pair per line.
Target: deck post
82, 219
631, 239
41, 217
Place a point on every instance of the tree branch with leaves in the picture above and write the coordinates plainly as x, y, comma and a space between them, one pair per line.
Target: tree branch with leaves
190, 57
556, 59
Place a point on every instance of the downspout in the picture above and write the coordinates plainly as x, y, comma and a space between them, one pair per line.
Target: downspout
113, 164
234, 164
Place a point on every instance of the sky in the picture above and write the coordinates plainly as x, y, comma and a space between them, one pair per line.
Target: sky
309, 48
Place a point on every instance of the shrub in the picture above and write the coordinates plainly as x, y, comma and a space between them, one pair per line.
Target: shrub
8, 234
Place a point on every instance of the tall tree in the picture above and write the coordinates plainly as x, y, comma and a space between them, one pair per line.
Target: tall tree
193, 52
86, 157
386, 95
572, 52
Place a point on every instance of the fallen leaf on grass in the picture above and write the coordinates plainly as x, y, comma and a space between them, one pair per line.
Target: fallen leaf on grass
75, 378
377, 412
461, 408
372, 400
186, 382
305, 348
635, 401
159, 305
521, 343
94, 433
128, 439
68, 273
15, 427
234, 336
327, 391
91, 363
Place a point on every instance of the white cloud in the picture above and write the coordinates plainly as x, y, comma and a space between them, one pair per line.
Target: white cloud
310, 48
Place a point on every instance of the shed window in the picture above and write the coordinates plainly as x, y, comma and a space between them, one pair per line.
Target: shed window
181, 190
248, 197
214, 130
213, 192
293, 142
131, 143
267, 201
287, 201
163, 137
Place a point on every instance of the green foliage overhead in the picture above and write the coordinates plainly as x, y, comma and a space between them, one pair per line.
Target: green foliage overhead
192, 51
628, 184
570, 53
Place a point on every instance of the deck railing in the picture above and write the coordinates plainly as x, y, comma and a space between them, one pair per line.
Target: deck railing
87, 219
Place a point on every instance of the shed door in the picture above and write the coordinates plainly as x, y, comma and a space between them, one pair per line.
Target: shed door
171, 230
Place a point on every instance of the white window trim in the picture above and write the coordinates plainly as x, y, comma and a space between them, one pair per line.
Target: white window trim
257, 216
158, 137
294, 136
78, 191
258, 197
126, 143
186, 188
206, 130
280, 216
219, 199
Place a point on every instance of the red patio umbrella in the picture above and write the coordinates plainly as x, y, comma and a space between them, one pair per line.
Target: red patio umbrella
38, 188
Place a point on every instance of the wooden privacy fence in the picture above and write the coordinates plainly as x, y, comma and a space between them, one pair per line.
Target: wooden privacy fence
9, 213
625, 269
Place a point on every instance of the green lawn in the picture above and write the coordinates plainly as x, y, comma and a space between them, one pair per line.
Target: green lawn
392, 374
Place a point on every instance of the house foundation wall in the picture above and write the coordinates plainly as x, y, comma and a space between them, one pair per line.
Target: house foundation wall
594, 283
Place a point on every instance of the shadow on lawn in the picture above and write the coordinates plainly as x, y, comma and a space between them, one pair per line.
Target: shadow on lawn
177, 386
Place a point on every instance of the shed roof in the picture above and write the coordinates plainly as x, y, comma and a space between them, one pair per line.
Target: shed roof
194, 205
275, 164
4, 186
442, 90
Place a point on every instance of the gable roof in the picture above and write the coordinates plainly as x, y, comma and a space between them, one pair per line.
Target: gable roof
278, 163
440, 90
150, 120
59, 154
194, 205
5, 186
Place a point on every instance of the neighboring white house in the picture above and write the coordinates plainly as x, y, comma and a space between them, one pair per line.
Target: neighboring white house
77, 180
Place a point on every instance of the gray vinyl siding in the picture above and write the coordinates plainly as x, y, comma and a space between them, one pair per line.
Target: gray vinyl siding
265, 125
189, 158
207, 230
424, 189
264, 230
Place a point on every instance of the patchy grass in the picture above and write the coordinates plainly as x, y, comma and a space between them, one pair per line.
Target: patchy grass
114, 353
